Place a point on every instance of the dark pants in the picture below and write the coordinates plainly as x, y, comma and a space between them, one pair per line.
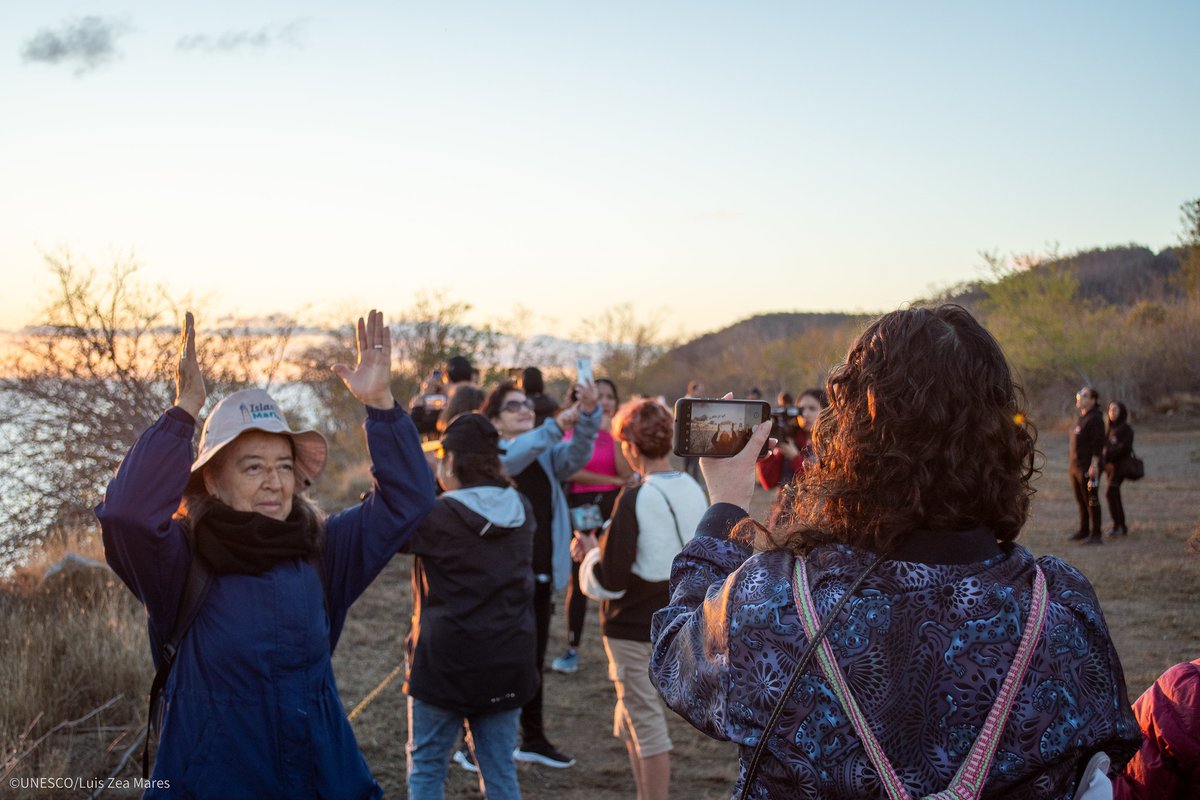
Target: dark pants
1088, 501
532, 724
1116, 509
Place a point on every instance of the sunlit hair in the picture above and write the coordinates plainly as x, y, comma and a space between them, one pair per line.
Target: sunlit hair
924, 430
463, 399
647, 425
491, 406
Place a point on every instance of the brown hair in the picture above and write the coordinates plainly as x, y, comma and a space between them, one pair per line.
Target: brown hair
645, 424
463, 399
924, 430
476, 469
491, 406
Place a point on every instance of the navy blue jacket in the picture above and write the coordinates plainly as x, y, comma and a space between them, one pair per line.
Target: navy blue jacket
251, 709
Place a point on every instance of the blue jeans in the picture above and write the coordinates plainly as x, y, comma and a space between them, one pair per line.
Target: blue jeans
432, 734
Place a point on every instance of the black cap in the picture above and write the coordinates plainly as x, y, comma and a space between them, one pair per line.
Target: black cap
472, 433
458, 369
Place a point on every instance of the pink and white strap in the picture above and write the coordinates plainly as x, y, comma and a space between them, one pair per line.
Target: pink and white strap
972, 773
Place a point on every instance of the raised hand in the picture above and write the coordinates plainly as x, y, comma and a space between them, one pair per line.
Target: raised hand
587, 396
189, 381
370, 380
731, 480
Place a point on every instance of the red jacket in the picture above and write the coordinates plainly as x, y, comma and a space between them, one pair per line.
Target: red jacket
770, 466
1168, 765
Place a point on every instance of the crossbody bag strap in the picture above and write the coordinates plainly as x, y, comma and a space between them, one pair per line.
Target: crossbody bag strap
972, 773
809, 651
675, 519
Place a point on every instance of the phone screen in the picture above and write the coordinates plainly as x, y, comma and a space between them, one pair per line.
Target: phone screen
583, 371
712, 428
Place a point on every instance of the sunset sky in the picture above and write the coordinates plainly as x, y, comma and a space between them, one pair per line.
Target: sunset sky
713, 160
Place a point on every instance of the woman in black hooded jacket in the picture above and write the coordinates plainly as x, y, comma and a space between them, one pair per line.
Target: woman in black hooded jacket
1118, 447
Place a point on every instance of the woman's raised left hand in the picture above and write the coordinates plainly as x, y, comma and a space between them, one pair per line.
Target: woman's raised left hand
370, 380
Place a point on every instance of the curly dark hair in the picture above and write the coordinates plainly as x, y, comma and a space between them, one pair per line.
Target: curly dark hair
924, 430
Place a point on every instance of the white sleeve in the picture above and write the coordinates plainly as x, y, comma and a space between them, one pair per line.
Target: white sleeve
587, 579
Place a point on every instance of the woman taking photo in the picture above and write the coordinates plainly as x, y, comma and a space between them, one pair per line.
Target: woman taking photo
629, 573
894, 640
590, 495
539, 460
250, 708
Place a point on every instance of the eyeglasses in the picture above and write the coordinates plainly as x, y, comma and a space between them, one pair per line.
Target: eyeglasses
516, 405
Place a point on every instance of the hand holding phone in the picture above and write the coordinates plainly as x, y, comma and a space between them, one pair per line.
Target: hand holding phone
716, 428
731, 480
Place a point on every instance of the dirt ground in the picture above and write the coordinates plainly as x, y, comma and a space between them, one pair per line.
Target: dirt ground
1148, 584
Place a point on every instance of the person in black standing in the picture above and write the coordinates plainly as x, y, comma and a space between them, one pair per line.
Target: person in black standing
534, 387
1086, 454
1117, 450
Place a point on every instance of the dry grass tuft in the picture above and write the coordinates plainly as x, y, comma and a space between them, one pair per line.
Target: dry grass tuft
72, 646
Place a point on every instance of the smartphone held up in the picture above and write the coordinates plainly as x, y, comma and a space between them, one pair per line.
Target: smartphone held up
716, 428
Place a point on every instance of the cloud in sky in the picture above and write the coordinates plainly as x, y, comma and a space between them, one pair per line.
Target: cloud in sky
237, 41
87, 42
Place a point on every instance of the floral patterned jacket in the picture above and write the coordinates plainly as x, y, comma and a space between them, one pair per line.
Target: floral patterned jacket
924, 643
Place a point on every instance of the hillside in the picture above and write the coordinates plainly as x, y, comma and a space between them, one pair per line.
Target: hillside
792, 350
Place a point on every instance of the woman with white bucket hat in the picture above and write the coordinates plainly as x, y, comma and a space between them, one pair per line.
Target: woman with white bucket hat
249, 706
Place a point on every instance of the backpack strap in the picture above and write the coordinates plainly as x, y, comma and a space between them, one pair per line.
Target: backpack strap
195, 589
972, 773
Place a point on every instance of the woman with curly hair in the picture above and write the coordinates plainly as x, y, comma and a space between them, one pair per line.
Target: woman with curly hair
894, 640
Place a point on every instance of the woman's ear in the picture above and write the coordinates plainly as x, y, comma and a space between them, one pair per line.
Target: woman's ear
210, 484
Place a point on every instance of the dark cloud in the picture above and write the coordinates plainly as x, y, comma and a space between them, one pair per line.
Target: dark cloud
86, 42
235, 41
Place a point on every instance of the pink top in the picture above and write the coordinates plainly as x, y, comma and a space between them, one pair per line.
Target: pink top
604, 462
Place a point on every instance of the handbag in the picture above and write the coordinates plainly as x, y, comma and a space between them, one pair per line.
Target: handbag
1133, 468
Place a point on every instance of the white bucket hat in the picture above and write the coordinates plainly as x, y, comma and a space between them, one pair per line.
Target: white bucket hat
254, 410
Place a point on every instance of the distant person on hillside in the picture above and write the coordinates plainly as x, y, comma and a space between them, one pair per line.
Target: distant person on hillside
534, 386
1085, 458
1118, 449
250, 707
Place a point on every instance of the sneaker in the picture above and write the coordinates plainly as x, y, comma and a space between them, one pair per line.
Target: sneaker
542, 752
465, 760
1118, 530
1079, 536
567, 663
1093, 540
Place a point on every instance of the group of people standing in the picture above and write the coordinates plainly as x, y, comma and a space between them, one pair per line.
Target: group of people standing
884, 616
1099, 444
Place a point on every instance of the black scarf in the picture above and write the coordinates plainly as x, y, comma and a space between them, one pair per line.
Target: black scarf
248, 543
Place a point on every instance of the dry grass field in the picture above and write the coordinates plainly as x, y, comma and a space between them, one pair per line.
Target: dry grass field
1148, 584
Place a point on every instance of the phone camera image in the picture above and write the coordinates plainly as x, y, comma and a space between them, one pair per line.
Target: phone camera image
716, 428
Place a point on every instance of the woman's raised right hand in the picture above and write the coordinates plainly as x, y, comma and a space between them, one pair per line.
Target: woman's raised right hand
189, 381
